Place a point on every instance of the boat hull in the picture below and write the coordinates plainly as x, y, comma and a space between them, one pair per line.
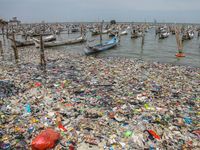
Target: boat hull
100, 47
163, 35
90, 50
136, 35
64, 42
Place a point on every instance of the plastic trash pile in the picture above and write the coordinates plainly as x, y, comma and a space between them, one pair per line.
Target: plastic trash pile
98, 103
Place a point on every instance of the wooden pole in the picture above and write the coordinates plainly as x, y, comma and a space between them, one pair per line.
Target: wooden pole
41, 47
178, 43
98, 26
81, 27
155, 28
101, 30
119, 33
2, 29
143, 35
25, 34
1, 49
14, 46
42, 57
183, 32
7, 31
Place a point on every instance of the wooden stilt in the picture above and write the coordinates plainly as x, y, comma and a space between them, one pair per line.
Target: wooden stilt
155, 28
81, 28
183, 32
1, 49
7, 31
143, 35
119, 33
178, 43
25, 34
14, 46
42, 57
101, 30
2, 29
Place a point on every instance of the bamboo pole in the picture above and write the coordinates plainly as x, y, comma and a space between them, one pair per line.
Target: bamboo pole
119, 33
25, 34
14, 46
81, 27
143, 36
7, 31
42, 57
155, 28
101, 30
98, 25
1, 49
183, 32
2, 29
178, 43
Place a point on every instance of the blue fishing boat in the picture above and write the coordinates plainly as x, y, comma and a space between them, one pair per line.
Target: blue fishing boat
100, 47
74, 29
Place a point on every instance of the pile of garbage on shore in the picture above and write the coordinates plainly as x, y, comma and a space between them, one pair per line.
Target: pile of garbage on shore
90, 103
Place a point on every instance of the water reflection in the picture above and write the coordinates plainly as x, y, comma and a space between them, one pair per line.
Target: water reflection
141, 53
177, 60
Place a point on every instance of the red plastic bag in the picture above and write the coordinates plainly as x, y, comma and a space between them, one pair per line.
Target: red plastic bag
153, 133
45, 140
38, 84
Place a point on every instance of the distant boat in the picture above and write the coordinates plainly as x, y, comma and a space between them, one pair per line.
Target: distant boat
82, 38
163, 35
22, 32
116, 32
74, 29
136, 34
100, 47
190, 34
173, 31
96, 32
31, 42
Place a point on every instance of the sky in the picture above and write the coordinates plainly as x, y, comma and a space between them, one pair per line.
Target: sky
36, 11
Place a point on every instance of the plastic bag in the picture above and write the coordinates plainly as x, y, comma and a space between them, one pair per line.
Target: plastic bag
45, 140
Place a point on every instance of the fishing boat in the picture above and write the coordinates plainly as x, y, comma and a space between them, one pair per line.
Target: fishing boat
116, 32
173, 30
136, 34
22, 32
96, 32
31, 42
100, 47
38, 34
80, 39
22, 43
74, 29
190, 34
163, 35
